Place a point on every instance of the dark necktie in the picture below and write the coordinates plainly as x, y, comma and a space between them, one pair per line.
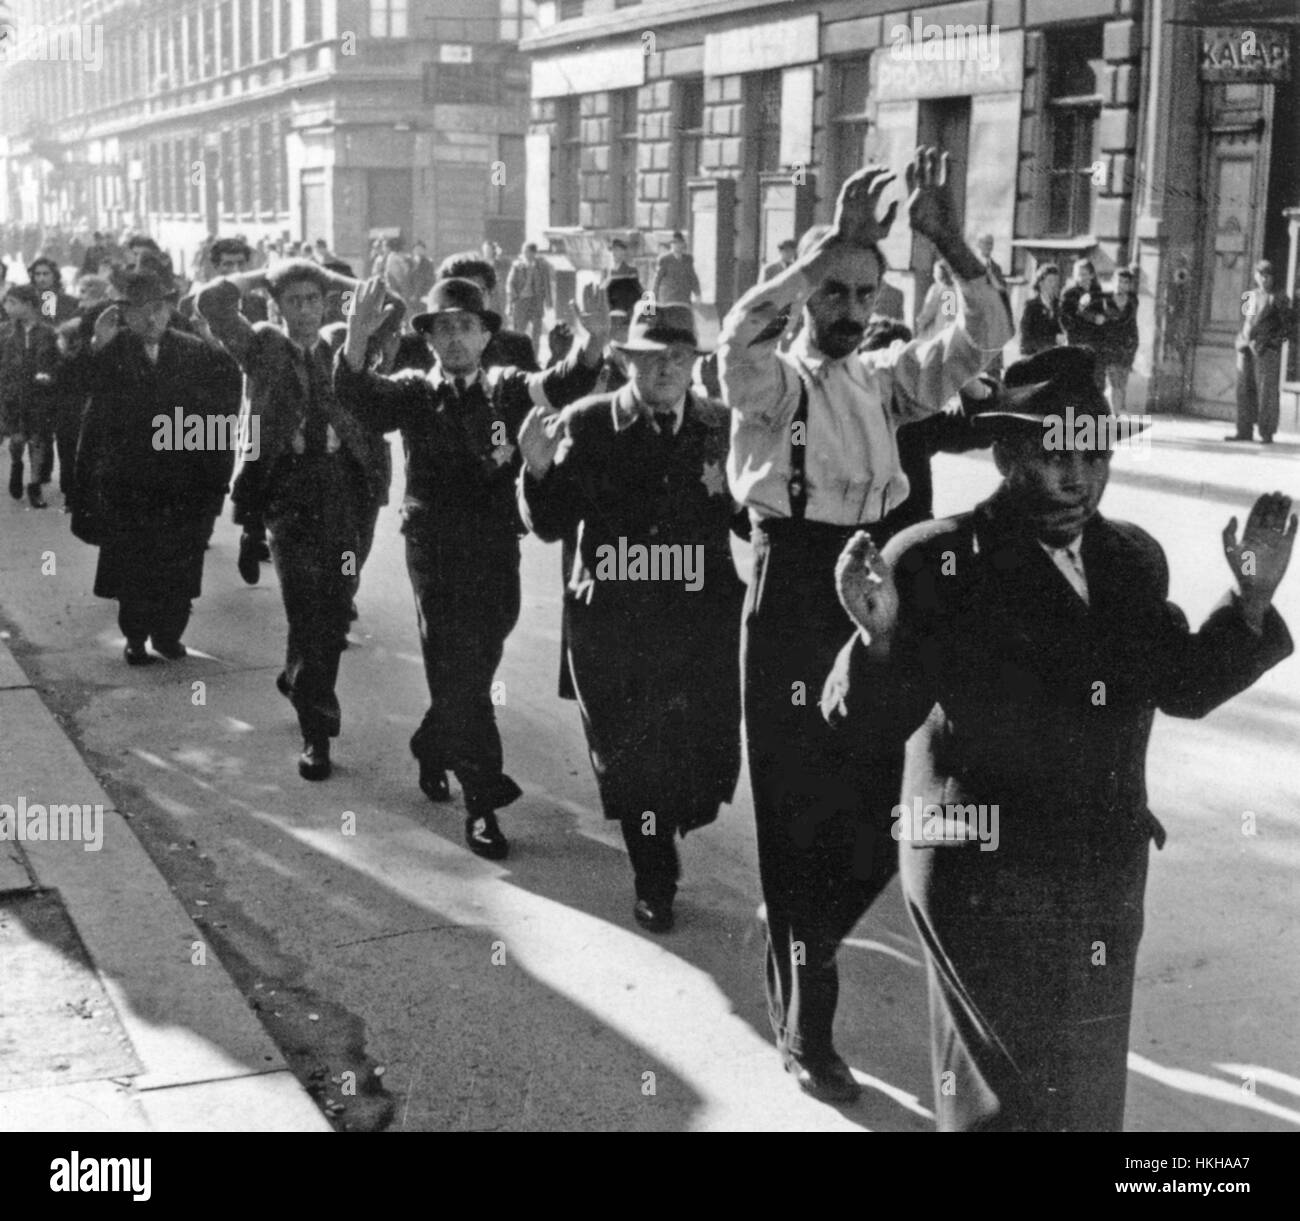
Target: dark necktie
666, 421
459, 384
314, 431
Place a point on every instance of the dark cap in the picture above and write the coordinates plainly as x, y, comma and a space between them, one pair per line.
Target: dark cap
456, 296
140, 288
28, 294
655, 326
1047, 385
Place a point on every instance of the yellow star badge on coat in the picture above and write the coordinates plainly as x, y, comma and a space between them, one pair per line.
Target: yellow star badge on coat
714, 479
502, 454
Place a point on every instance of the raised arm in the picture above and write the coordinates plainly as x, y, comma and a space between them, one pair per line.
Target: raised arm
575, 376
1244, 636
549, 502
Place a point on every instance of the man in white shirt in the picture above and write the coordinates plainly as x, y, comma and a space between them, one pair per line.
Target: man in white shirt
814, 458
1022, 650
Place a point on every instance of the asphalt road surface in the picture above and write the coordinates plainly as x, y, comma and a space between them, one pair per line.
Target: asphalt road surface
521, 996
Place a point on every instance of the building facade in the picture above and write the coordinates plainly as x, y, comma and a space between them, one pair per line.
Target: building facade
1159, 133
342, 119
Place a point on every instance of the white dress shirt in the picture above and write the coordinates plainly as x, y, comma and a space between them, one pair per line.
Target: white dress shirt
855, 403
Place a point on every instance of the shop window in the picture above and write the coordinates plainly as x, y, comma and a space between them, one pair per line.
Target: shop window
313, 30
1073, 112
570, 9
689, 137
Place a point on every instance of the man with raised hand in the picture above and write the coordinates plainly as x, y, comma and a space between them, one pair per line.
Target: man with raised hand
459, 425
311, 473
1025, 648
814, 458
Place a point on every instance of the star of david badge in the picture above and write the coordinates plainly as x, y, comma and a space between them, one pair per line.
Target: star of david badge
714, 479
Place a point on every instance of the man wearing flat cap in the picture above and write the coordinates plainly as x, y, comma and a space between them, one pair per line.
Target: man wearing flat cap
153, 463
29, 365
1025, 646
652, 606
311, 472
814, 458
460, 425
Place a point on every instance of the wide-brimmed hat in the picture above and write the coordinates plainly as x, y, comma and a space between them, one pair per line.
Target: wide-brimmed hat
456, 296
1055, 384
655, 326
139, 288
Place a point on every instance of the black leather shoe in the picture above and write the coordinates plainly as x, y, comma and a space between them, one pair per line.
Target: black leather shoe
433, 783
826, 1080
173, 650
262, 549
654, 917
484, 837
34, 497
16, 479
1266, 440
314, 762
247, 563
137, 655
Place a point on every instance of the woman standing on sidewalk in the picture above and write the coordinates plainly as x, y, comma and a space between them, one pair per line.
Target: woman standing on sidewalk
1040, 323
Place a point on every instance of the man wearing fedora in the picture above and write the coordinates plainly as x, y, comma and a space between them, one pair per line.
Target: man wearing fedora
653, 654
1029, 643
460, 425
814, 458
149, 501
311, 472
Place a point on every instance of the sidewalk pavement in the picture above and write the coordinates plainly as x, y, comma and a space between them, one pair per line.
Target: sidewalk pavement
189, 1054
175, 1046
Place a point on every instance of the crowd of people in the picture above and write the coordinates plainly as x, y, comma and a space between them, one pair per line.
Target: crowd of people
808, 431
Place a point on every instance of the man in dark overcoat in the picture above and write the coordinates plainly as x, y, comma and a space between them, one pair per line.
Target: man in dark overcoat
638, 475
311, 473
459, 426
154, 462
1028, 644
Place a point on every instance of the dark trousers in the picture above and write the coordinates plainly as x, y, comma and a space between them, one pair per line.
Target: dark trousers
367, 520
38, 444
1258, 392
67, 430
1031, 959
164, 619
821, 801
467, 604
317, 599
652, 849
